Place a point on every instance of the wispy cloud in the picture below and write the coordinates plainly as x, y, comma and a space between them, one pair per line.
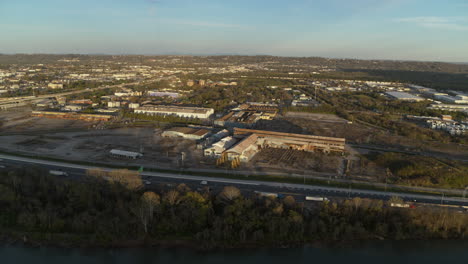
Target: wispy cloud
434, 22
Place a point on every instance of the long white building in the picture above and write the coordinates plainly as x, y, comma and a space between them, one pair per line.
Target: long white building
217, 149
404, 96
193, 112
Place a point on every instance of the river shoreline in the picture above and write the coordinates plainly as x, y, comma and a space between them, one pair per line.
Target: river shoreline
195, 245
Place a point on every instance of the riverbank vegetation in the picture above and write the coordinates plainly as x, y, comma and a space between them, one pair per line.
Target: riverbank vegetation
98, 212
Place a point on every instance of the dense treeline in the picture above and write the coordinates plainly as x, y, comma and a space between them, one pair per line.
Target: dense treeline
39, 207
272, 61
221, 97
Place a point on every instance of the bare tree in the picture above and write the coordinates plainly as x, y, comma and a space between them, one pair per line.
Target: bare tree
230, 193
130, 179
149, 201
289, 201
278, 210
356, 201
96, 172
171, 197
145, 212
183, 188
395, 200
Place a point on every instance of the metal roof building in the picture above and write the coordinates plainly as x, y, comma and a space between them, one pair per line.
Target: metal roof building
404, 96
193, 112
186, 132
125, 154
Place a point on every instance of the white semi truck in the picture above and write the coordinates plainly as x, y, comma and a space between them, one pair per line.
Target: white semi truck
316, 199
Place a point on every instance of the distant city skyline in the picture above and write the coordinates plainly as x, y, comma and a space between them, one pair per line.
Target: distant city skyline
429, 30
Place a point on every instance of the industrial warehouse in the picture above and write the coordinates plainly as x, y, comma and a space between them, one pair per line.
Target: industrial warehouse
252, 141
246, 115
191, 112
186, 132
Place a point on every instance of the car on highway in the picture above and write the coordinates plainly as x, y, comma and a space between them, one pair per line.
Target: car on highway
58, 173
203, 182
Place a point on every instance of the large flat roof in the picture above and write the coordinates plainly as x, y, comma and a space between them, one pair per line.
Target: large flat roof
175, 109
404, 96
190, 131
244, 131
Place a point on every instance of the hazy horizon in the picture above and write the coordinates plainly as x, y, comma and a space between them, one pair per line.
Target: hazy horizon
225, 54
408, 30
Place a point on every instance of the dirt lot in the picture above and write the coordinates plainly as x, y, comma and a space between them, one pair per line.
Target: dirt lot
19, 120
94, 145
294, 159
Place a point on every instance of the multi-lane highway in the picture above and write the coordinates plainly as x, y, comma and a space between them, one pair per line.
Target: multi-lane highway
297, 190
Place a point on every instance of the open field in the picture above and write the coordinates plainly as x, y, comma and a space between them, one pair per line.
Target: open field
19, 120
94, 145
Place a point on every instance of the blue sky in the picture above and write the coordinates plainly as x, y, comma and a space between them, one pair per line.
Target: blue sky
368, 29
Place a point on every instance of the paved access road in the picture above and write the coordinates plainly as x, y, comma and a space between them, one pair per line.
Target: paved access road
297, 190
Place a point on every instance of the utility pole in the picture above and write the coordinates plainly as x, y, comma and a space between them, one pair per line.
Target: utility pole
182, 156
385, 183
315, 93
387, 172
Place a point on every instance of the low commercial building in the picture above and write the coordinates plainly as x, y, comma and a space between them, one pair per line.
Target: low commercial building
133, 105
163, 94
53, 85
246, 115
450, 107
405, 96
192, 112
255, 140
459, 99
46, 103
217, 149
125, 154
73, 107
82, 102
245, 149
217, 136
8, 105
113, 104
186, 132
